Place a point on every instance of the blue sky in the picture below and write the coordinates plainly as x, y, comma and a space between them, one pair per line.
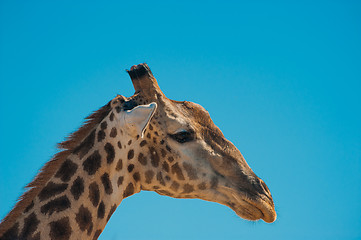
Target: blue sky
281, 79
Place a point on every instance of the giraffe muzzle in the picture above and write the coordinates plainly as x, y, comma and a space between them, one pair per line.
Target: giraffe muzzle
251, 208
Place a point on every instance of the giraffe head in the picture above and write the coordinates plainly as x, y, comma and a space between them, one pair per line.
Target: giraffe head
181, 153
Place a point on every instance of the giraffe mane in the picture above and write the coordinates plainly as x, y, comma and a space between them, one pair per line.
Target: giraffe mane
48, 170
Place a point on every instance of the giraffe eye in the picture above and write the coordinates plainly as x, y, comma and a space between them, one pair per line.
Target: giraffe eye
183, 136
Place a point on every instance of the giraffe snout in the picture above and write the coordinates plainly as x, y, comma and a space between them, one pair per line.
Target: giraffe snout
265, 202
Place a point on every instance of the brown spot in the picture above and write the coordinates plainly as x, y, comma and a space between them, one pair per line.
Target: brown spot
106, 183
119, 145
30, 225
163, 152
101, 135
214, 182
202, 186
187, 188
112, 210
52, 189
174, 186
85, 146
130, 167
11, 233
170, 159
101, 210
150, 127
154, 140
77, 188
154, 157
29, 207
118, 109
56, 205
136, 176
165, 166
104, 125
109, 149
191, 172
92, 163
111, 117
129, 190
149, 176
129, 142
162, 142
119, 165
94, 194
113, 132
167, 178
156, 133
84, 219
149, 136
160, 178
130, 154
177, 171
120, 180
60, 229
142, 159
142, 143
67, 170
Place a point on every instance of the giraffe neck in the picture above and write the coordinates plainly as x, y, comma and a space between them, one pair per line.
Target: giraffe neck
82, 194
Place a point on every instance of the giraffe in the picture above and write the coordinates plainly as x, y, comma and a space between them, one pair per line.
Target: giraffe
143, 142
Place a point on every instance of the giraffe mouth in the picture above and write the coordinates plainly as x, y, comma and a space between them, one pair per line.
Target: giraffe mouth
252, 209
255, 210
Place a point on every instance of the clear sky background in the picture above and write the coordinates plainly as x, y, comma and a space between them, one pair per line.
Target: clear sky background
282, 80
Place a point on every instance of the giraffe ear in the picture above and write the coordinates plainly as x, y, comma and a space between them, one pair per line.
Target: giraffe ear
138, 118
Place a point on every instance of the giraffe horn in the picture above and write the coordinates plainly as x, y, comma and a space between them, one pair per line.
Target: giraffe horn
143, 80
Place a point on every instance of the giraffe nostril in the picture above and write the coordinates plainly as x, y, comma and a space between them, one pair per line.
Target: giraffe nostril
266, 191
264, 186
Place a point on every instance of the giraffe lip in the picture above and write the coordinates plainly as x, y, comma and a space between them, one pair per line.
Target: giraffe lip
268, 213
252, 208
246, 211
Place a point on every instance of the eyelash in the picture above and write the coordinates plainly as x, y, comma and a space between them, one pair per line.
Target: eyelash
183, 136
